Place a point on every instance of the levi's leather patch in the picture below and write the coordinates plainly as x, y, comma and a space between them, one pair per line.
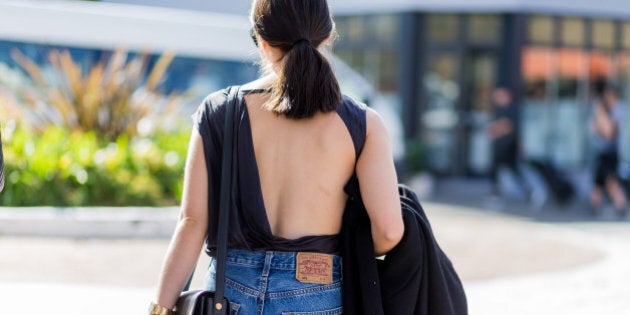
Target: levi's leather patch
314, 268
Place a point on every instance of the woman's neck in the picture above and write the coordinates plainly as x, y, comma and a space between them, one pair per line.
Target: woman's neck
265, 82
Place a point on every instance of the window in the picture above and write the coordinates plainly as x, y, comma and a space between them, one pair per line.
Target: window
536, 122
625, 35
386, 27
440, 116
443, 28
569, 129
353, 57
341, 25
484, 28
573, 31
624, 71
624, 75
540, 29
603, 34
388, 70
350, 28
356, 28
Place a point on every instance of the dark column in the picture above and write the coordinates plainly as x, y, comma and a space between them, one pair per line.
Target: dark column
514, 37
409, 76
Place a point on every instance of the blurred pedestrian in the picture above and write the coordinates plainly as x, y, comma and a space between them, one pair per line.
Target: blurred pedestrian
605, 122
502, 130
299, 144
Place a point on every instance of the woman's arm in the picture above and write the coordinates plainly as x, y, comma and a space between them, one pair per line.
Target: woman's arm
500, 128
604, 124
188, 238
379, 186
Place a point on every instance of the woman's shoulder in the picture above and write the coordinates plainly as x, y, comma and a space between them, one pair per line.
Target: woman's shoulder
215, 100
352, 111
214, 103
368, 118
352, 103
358, 110
212, 108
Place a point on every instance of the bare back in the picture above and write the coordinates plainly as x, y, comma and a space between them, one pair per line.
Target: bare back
303, 166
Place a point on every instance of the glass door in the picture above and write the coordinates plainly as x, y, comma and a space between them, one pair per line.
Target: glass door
480, 72
439, 118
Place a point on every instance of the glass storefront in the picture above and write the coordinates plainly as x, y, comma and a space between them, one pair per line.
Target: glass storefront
457, 80
368, 43
536, 120
568, 108
560, 64
624, 86
440, 119
562, 77
480, 79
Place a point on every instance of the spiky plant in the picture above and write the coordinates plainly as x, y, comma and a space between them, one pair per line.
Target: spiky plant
109, 98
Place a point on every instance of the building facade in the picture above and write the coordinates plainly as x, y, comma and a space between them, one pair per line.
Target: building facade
438, 62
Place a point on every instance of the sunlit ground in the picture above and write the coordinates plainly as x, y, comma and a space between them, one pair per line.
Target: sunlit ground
509, 265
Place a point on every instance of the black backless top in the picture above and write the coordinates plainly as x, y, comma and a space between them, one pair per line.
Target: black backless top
249, 226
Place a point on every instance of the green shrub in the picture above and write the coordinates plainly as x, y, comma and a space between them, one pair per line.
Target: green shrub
85, 135
416, 156
59, 167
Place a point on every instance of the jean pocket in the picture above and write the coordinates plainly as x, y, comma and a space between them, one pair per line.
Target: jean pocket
334, 311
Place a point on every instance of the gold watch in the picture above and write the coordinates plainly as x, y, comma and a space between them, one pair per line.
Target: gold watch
157, 309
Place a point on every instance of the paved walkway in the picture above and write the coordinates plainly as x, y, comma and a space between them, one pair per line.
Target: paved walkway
510, 263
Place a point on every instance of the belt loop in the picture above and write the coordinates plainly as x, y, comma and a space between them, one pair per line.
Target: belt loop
268, 261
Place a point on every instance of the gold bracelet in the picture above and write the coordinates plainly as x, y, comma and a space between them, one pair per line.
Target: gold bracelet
157, 309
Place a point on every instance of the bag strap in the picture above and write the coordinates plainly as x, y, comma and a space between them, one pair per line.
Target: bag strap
232, 104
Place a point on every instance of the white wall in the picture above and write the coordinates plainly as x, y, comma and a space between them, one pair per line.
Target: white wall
602, 8
108, 25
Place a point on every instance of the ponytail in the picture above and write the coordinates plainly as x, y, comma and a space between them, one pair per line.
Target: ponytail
305, 83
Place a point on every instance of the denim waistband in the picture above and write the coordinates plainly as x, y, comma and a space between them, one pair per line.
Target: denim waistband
278, 260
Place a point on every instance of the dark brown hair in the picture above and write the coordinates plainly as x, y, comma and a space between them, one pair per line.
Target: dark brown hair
306, 83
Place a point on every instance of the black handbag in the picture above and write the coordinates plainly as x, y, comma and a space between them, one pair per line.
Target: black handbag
202, 302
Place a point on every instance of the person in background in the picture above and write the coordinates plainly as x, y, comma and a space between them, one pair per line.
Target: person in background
502, 130
606, 119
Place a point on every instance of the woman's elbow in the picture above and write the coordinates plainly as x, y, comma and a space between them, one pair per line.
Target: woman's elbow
395, 233
388, 238
192, 225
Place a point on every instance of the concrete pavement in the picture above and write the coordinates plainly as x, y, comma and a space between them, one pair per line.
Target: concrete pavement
510, 264
597, 288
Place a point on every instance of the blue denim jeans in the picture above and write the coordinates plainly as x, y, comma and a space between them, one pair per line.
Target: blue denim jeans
262, 283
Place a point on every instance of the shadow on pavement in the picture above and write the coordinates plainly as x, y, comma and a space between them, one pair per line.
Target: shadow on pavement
474, 193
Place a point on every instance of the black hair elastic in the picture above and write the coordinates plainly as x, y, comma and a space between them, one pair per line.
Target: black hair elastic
301, 40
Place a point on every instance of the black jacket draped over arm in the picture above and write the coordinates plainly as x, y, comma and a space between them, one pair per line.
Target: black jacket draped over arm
416, 277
